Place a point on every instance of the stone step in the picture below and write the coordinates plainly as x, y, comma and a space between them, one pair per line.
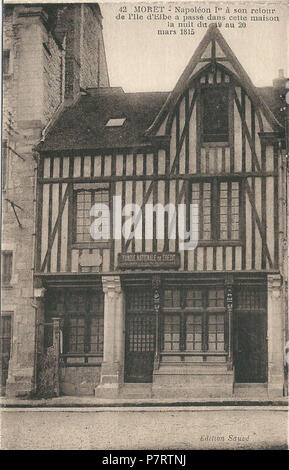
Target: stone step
251, 390
192, 369
136, 390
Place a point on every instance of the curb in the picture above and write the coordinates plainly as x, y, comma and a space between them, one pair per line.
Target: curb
140, 404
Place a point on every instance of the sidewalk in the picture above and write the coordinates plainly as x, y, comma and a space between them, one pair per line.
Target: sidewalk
93, 402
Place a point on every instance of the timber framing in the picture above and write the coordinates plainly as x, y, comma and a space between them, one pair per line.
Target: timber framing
212, 36
175, 156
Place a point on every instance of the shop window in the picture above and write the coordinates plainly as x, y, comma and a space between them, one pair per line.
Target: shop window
96, 334
216, 331
172, 298
194, 332
172, 332
82, 313
216, 298
85, 335
194, 298
76, 335
196, 322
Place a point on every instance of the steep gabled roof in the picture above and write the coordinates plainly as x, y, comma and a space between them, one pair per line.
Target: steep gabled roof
213, 47
83, 125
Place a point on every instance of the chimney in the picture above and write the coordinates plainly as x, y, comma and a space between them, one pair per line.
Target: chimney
279, 83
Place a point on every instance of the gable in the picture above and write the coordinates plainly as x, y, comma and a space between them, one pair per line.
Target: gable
213, 51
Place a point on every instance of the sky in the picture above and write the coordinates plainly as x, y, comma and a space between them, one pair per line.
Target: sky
140, 60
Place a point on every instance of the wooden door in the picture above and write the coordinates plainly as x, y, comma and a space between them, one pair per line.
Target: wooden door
140, 346
250, 347
5, 344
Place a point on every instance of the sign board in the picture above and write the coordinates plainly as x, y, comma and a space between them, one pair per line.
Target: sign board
158, 260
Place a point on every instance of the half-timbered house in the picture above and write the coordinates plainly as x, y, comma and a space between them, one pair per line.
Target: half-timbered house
145, 316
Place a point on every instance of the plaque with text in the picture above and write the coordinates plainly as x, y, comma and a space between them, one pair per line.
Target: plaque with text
163, 260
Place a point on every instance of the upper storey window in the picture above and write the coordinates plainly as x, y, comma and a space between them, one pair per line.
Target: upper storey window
90, 201
219, 210
215, 119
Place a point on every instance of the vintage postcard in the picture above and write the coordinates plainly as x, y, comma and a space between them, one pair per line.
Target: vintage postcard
144, 255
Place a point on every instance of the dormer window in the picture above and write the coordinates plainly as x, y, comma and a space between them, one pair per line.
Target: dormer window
215, 115
115, 122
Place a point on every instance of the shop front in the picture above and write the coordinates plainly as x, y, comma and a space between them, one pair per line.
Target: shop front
185, 335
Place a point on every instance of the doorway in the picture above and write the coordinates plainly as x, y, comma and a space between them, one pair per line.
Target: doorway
250, 347
5, 342
140, 347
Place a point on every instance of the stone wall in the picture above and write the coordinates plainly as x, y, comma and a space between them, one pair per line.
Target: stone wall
20, 239
93, 71
53, 70
79, 380
10, 41
31, 95
45, 57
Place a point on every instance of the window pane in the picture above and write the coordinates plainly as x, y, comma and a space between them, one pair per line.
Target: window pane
76, 335
223, 211
171, 333
216, 328
96, 335
206, 222
235, 212
194, 333
216, 297
194, 298
229, 208
172, 298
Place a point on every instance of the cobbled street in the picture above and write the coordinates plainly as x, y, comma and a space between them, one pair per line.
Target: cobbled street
145, 428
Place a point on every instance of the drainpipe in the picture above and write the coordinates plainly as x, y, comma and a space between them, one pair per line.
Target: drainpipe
33, 303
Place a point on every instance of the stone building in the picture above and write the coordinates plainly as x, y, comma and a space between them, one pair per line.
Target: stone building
48, 57
148, 315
